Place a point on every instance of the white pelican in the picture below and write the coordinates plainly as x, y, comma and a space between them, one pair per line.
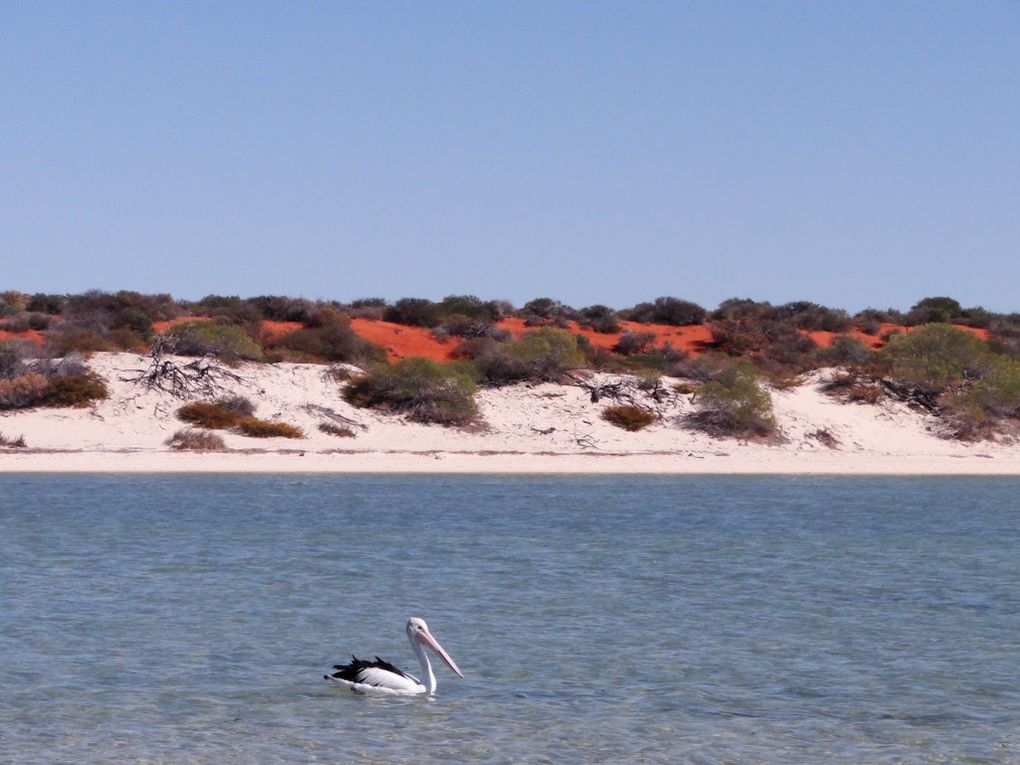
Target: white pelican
380, 676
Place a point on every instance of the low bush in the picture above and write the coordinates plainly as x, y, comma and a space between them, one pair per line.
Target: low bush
330, 342
844, 350
733, 404
209, 414
70, 338
631, 343
23, 390
543, 354
982, 409
934, 357
240, 404
256, 428
933, 310
76, 390
600, 318
459, 325
196, 441
13, 354
628, 417
854, 388
811, 316
204, 338
416, 312
421, 389
546, 311
12, 443
339, 431
667, 310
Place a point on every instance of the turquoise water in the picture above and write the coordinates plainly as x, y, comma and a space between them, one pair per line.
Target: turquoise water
177, 619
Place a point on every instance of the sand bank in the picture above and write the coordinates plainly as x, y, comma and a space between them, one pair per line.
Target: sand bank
527, 429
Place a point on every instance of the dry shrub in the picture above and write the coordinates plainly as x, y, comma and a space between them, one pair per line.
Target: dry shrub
12, 443
628, 417
210, 414
854, 389
23, 390
196, 441
239, 404
825, 438
256, 428
77, 390
336, 430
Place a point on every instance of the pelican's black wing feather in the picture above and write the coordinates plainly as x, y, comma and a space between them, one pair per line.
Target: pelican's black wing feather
353, 671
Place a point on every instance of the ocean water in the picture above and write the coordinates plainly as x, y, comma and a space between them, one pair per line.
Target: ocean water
189, 619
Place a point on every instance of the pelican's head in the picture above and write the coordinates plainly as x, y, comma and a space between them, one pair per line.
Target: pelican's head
418, 632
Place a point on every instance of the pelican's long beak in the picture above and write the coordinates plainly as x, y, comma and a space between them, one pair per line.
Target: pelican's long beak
426, 637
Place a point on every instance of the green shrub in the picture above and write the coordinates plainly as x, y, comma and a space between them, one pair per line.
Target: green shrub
331, 342
77, 390
979, 410
209, 414
667, 310
631, 343
600, 318
545, 310
811, 316
846, 350
420, 388
196, 441
256, 428
934, 357
416, 312
733, 404
281, 308
933, 310
206, 338
628, 417
43, 303
539, 355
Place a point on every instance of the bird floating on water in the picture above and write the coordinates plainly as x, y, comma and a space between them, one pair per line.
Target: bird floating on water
380, 676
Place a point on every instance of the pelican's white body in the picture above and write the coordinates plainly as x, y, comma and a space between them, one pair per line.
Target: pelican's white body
382, 677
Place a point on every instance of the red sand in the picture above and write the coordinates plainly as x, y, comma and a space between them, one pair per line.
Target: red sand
400, 341
160, 327
31, 335
273, 330
824, 339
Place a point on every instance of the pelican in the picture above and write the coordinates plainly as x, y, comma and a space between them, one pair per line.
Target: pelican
380, 676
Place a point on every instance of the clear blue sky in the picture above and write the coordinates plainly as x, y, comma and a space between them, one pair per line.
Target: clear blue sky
849, 153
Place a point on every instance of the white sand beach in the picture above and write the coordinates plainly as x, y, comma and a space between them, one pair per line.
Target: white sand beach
544, 428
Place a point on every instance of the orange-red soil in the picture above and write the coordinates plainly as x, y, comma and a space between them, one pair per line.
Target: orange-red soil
400, 341
31, 335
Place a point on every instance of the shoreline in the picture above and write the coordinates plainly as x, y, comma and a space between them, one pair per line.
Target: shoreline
439, 463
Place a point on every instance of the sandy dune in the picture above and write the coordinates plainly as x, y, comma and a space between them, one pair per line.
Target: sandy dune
540, 428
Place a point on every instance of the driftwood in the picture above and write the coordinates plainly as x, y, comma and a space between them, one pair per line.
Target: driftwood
202, 376
329, 414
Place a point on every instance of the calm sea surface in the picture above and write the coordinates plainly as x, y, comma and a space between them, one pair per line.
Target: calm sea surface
177, 619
